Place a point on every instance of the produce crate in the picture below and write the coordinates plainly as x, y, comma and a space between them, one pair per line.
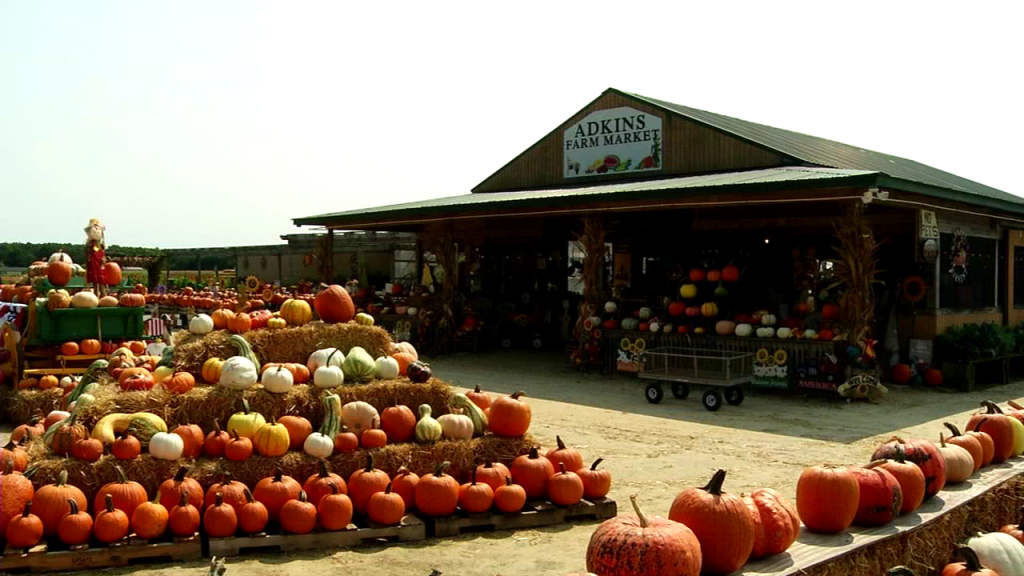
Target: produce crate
411, 529
66, 324
533, 515
132, 550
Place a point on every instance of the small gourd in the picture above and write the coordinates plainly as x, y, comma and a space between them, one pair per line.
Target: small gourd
428, 430
472, 411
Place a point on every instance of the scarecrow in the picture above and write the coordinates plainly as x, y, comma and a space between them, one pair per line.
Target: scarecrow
95, 257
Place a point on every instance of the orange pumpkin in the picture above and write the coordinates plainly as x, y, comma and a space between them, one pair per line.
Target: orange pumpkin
276, 491
239, 323
298, 430
59, 273
333, 304
633, 544
180, 383
398, 422
404, 359
776, 523
193, 439
993, 422
509, 417
48, 382
137, 347
366, 482
710, 513
220, 318
89, 347
531, 471
69, 349
112, 273
827, 499
437, 494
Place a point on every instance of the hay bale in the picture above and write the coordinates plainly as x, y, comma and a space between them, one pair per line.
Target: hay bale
204, 404
23, 404
293, 344
150, 472
928, 548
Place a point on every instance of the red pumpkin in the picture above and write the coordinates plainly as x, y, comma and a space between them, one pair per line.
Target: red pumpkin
633, 544
710, 513
776, 523
911, 480
880, 495
830, 312
333, 304
697, 275
900, 374
676, 308
216, 441
398, 422
924, 454
731, 273
933, 377
714, 275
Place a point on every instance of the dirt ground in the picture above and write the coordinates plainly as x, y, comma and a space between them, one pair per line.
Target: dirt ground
652, 450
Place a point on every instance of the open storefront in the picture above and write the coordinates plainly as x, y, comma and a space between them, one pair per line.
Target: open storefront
681, 227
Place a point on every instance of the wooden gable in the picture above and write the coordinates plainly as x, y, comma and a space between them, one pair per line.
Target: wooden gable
688, 147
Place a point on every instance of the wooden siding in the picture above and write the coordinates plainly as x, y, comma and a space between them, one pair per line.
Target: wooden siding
688, 148
928, 326
1014, 316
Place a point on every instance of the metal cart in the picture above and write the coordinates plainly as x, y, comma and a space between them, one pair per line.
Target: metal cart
685, 366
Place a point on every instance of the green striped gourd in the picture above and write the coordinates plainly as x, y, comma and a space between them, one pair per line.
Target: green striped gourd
473, 411
244, 349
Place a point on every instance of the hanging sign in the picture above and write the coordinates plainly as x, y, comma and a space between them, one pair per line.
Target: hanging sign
617, 140
928, 225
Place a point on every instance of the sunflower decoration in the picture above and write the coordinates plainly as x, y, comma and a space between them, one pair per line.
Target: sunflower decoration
252, 283
914, 289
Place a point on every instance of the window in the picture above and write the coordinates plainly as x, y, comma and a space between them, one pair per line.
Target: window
967, 272
405, 265
1018, 277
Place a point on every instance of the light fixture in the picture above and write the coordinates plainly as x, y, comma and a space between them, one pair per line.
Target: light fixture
765, 240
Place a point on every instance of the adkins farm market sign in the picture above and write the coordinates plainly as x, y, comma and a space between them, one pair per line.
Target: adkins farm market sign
611, 141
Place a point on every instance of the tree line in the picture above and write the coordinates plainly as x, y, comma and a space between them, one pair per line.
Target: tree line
22, 254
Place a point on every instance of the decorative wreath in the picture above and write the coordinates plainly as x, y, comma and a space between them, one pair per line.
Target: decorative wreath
914, 289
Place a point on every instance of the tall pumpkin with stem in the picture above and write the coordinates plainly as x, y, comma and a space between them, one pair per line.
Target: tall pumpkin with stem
710, 513
635, 544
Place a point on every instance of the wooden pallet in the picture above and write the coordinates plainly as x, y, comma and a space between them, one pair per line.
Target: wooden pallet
47, 558
533, 515
410, 530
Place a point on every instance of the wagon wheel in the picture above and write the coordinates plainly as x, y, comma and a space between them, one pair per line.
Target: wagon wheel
654, 393
734, 395
681, 390
712, 400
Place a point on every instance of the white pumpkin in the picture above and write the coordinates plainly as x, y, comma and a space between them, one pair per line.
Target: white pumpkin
595, 321
456, 426
277, 380
784, 333
325, 357
59, 257
77, 270
166, 446
630, 323
765, 332
68, 382
610, 307
768, 320
318, 445
654, 327
360, 416
238, 373
744, 330
999, 552
810, 335
387, 368
201, 324
85, 299
959, 462
328, 377
413, 311
645, 313
667, 328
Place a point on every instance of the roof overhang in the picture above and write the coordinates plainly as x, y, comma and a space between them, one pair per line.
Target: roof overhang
720, 189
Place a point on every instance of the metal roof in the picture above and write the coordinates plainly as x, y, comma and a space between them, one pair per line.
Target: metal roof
566, 198
824, 152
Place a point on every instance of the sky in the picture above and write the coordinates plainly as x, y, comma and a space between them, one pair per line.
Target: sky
197, 123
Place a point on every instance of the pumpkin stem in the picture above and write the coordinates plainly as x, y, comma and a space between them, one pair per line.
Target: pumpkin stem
439, 470
639, 512
715, 485
993, 408
562, 468
108, 501
302, 495
488, 464
74, 506
978, 427
472, 477
1014, 405
9, 466
334, 487
533, 453
28, 509
874, 464
324, 470
387, 489
245, 406
220, 498
942, 440
63, 478
970, 559
216, 428
508, 480
516, 395
596, 462
122, 478
477, 389
183, 501
900, 571
952, 428
179, 477
369, 462
248, 495
278, 474
558, 440
901, 454
234, 433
